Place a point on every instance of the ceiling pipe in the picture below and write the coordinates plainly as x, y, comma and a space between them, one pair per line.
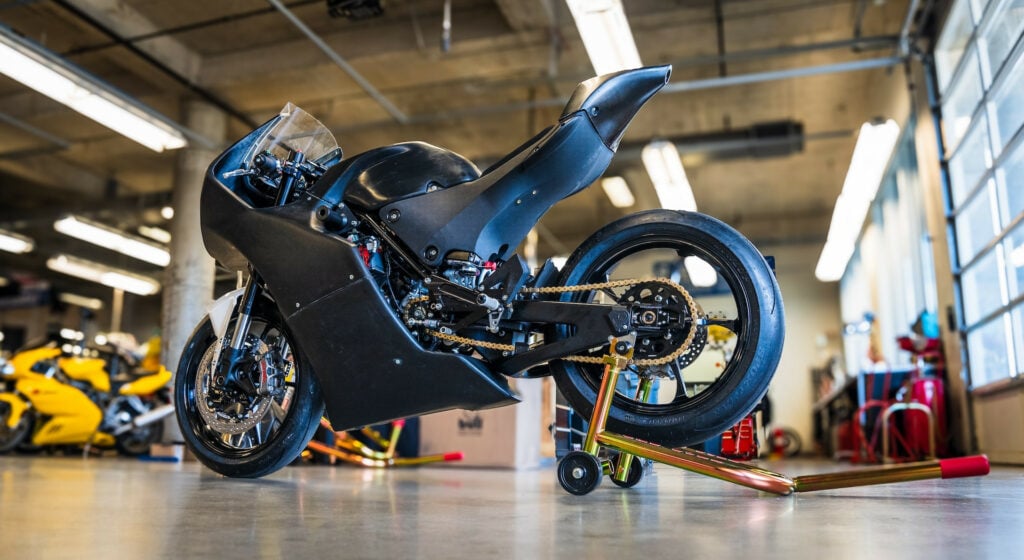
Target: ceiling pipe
341, 62
34, 131
189, 84
756, 77
904, 43
851, 66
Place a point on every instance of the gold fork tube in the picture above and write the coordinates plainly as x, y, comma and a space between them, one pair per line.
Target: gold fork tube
643, 392
613, 365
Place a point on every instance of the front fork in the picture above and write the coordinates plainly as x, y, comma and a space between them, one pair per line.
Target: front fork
234, 353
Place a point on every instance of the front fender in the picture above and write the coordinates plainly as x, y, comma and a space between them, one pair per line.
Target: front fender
220, 311
17, 406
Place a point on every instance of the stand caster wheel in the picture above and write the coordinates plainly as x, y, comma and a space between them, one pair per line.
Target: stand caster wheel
636, 472
579, 472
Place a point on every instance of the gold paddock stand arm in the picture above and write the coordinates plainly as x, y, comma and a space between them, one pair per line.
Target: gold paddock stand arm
621, 351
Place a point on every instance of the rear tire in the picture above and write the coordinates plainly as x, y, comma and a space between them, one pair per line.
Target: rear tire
758, 326
231, 454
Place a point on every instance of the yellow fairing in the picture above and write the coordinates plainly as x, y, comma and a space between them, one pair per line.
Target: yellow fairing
148, 384
89, 370
74, 418
103, 440
23, 361
18, 406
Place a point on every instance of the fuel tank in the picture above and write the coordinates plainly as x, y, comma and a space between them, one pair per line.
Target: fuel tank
391, 173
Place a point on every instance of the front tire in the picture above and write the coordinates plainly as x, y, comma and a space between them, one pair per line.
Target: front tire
281, 427
11, 438
635, 247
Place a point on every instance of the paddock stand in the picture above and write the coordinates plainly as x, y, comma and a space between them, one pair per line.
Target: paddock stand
580, 472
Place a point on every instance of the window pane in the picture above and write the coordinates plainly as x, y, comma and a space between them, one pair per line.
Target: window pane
978, 8
980, 288
971, 161
952, 43
1014, 247
963, 99
975, 226
1009, 110
1002, 33
990, 356
1011, 184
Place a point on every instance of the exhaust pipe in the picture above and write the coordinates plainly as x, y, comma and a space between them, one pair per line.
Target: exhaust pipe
145, 418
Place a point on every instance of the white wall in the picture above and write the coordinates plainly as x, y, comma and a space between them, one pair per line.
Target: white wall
812, 318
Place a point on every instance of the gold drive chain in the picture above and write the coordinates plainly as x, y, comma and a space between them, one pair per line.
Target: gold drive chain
694, 313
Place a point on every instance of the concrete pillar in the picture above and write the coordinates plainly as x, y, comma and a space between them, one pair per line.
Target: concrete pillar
188, 283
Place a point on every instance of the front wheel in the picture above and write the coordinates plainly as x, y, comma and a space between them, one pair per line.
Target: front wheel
736, 337
248, 434
12, 437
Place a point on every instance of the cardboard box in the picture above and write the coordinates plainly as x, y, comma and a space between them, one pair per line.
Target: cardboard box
507, 437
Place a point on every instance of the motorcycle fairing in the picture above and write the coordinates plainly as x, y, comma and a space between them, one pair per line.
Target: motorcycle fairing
369, 367
491, 215
383, 175
73, 417
89, 370
15, 407
146, 384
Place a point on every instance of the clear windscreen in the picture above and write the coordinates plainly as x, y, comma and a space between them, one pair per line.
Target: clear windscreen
297, 130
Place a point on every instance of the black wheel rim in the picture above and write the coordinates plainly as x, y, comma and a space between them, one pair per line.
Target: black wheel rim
686, 395
268, 429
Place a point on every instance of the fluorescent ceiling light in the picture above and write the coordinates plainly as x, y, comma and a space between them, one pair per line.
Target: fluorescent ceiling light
71, 334
871, 155
618, 192
58, 79
113, 239
14, 243
702, 274
81, 301
102, 274
606, 35
156, 234
661, 159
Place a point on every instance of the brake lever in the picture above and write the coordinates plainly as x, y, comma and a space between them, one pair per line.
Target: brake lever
238, 173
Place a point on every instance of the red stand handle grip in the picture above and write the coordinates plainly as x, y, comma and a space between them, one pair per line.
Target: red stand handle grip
975, 465
453, 456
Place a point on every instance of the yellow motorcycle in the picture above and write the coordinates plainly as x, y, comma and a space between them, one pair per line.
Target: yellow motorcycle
51, 399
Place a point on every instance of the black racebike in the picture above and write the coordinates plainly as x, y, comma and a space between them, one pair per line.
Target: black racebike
387, 285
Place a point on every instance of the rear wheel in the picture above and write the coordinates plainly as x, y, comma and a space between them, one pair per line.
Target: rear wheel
737, 335
242, 433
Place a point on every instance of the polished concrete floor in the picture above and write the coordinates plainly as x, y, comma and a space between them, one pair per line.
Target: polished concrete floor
108, 508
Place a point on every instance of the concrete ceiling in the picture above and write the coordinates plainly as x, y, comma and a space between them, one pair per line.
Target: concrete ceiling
511, 65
